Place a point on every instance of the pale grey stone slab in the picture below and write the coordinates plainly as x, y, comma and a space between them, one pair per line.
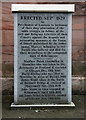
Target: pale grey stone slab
32, 91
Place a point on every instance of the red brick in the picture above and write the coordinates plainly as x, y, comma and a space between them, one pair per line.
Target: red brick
7, 37
7, 25
7, 58
78, 22
8, 50
6, 7
8, 17
0, 37
0, 24
0, 16
85, 23
7, 22
78, 37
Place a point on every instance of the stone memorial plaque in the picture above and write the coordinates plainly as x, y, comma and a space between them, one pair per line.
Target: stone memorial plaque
42, 57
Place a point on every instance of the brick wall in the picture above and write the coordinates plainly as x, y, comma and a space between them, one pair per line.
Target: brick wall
78, 41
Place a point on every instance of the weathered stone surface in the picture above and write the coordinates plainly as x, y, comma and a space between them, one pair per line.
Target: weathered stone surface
7, 69
7, 86
78, 53
78, 85
79, 68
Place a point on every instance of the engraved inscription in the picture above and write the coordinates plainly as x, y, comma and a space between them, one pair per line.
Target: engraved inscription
43, 56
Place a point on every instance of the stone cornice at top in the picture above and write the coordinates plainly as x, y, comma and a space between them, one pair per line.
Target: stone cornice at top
43, 7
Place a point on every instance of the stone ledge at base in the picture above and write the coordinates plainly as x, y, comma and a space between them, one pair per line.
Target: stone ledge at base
43, 105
